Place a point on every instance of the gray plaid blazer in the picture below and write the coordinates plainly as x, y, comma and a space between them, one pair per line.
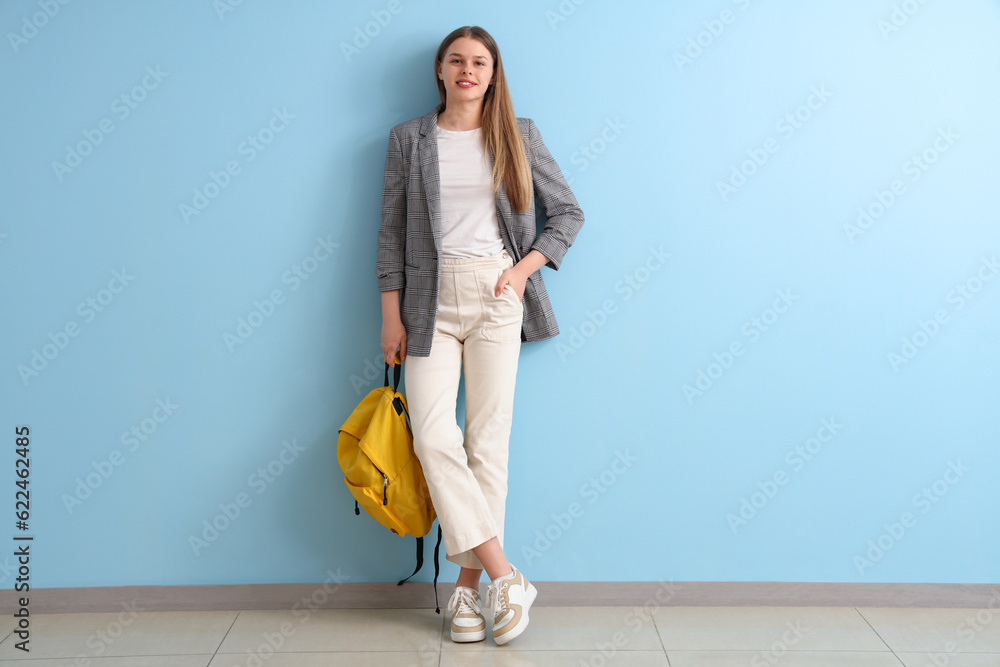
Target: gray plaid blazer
409, 240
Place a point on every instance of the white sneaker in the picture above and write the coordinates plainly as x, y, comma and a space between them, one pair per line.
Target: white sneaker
509, 600
467, 623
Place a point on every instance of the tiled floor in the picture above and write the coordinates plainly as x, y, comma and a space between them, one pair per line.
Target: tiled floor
557, 637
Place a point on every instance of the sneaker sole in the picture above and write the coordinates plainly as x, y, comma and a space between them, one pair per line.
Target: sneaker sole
463, 637
515, 632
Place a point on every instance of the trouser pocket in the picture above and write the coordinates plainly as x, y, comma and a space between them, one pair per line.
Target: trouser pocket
502, 315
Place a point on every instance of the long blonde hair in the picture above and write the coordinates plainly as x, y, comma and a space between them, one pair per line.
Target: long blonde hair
501, 136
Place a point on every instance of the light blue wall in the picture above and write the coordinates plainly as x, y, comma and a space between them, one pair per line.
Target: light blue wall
815, 310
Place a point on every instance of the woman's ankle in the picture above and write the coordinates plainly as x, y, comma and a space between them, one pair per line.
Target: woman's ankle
469, 578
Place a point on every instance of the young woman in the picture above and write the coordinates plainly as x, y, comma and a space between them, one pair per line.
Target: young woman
458, 268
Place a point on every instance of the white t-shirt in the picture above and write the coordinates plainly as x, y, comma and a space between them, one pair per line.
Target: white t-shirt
469, 223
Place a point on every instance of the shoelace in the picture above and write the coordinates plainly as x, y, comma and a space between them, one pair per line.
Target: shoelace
496, 602
463, 601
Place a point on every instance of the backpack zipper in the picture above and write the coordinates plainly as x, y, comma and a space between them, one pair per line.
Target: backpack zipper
385, 485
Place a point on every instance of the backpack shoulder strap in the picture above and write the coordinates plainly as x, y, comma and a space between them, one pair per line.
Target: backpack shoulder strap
420, 564
437, 568
420, 560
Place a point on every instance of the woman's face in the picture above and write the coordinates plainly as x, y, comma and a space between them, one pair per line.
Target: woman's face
466, 69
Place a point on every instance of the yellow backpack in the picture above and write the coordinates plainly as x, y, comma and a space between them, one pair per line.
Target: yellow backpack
375, 451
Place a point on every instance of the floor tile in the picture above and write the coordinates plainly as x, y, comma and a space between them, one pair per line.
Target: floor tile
508, 656
786, 659
122, 634
946, 631
777, 629
588, 629
337, 659
124, 661
556, 637
953, 660
325, 630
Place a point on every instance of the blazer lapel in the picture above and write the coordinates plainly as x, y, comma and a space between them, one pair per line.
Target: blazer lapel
429, 174
503, 212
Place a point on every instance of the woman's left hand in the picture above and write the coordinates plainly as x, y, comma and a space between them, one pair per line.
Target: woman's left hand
515, 279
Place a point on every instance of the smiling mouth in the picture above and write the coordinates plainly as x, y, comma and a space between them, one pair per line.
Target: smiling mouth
466, 84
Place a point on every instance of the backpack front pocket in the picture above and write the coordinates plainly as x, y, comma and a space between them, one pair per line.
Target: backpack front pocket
372, 502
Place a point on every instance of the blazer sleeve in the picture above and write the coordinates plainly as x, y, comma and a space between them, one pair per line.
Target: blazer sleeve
565, 217
392, 233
